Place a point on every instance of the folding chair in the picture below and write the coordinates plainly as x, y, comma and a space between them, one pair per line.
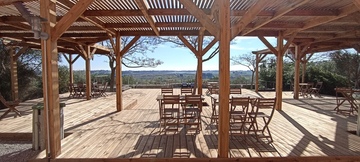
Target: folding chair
167, 91
11, 105
214, 106
71, 90
170, 113
103, 90
256, 114
238, 115
192, 112
316, 90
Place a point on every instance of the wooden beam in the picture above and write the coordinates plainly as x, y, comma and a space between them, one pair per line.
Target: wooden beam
75, 58
20, 52
249, 17
188, 45
289, 42
207, 48
50, 82
66, 58
281, 11
224, 79
73, 14
268, 45
262, 57
322, 20
173, 11
144, 9
202, 17
92, 20
119, 99
128, 46
357, 3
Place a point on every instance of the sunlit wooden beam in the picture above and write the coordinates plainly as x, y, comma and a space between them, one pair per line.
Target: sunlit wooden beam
187, 44
128, 46
144, 9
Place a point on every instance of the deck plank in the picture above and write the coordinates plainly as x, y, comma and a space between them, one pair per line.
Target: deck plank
305, 127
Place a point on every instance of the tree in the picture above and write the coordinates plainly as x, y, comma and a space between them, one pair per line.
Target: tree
348, 65
249, 61
135, 57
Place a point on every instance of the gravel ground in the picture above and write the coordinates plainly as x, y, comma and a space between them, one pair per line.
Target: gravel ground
16, 151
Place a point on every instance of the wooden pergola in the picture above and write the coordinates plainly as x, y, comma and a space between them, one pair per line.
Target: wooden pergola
75, 26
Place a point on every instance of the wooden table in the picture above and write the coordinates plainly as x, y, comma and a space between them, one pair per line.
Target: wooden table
346, 94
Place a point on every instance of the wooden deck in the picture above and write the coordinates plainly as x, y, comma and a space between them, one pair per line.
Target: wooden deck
305, 127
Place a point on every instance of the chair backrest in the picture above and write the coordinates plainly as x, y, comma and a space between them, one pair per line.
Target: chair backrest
265, 103
235, 91
214, 91
186, 90
319, 85
240, 101
166, 90
194, 100
105, 86
171, 99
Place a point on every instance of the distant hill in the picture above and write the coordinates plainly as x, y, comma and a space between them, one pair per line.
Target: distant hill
173, 72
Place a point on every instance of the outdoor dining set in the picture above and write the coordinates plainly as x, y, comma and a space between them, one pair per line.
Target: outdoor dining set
79, 90
249, 114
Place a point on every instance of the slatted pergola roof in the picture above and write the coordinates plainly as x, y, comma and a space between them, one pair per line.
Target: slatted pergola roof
323, 25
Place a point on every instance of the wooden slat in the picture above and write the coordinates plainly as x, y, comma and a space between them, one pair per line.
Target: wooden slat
284, 9
69, 18
322, 20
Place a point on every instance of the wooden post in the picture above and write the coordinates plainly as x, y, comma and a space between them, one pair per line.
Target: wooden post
257, 73
119, 104
71, 71
199, 63
303, 69
279, 71
297, 72
50, 81
88, 73
14, 75
224, 79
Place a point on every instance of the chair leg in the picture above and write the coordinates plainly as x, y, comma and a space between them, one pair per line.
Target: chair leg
6, 112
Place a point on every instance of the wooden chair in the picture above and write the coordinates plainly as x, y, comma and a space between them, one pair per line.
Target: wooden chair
316, 90
235, 90
257, 114
11, 105
214, 106
186, 91
170, 113
103, 89
71, 90
238, 115
192, 112
167, 91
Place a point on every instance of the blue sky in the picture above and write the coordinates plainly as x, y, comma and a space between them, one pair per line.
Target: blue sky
182, 58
